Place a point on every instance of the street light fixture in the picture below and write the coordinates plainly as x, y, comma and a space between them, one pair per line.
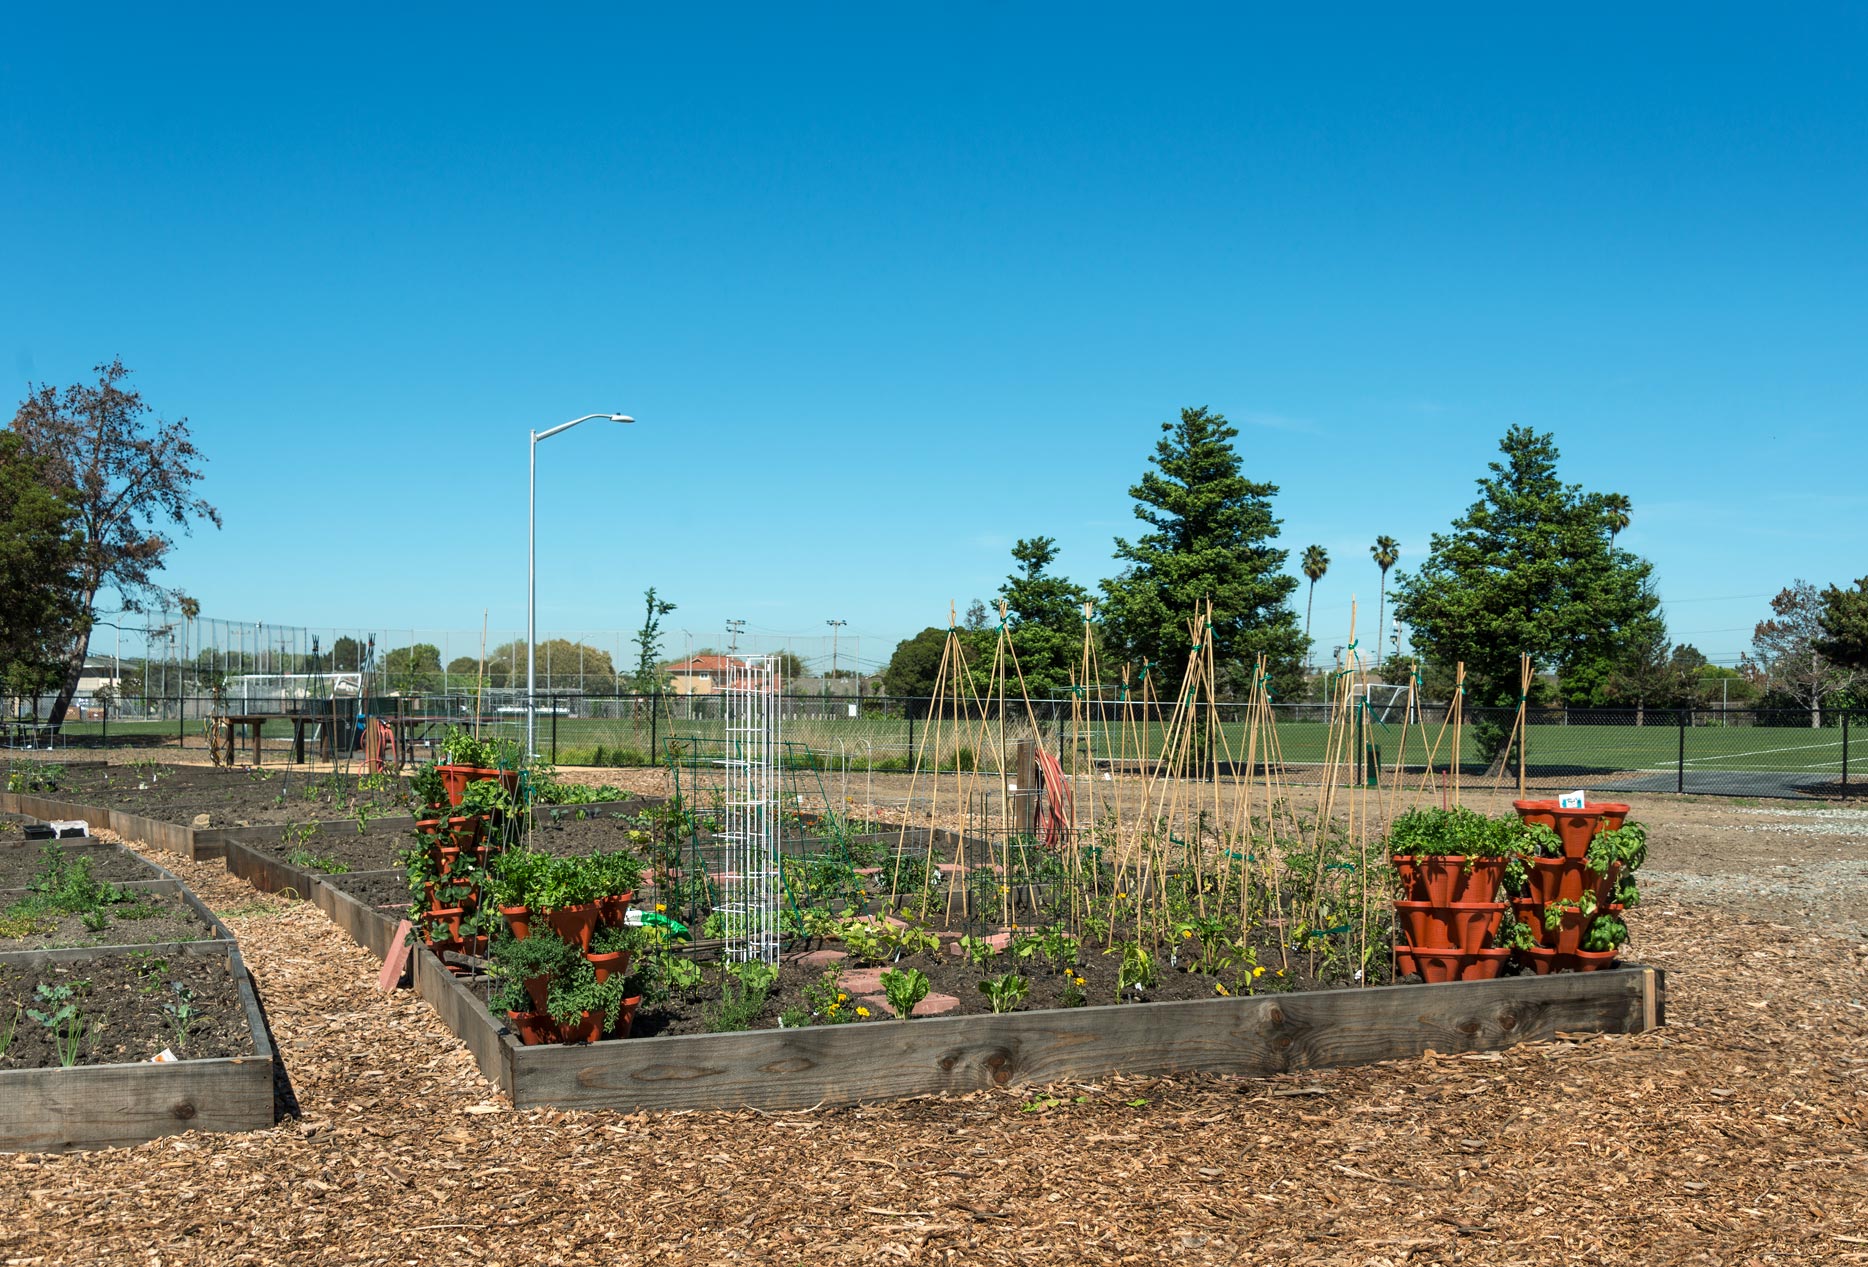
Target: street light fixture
531, 582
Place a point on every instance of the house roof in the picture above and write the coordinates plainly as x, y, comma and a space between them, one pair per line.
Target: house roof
702, 664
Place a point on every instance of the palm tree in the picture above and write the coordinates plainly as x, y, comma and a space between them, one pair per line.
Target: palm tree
190, 610
1385, 551
1316, 562
1616, 509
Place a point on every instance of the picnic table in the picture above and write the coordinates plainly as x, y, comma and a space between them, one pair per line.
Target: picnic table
253, 723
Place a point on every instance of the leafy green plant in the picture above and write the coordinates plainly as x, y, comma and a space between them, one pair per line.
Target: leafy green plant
61, 1017
978, 951
1626, 845
904, 987
1005, 992
6, 1035
427, 788
743, 994
1606, 933
1137, 969
181, 1013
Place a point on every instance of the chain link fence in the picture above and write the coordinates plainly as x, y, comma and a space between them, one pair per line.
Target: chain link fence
1735, 752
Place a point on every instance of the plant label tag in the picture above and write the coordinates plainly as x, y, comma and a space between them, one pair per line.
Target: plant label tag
1572, 800
163, 1057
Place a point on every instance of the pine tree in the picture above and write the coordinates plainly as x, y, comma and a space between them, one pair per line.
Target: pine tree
1045, 615
1529, 568
1213, 537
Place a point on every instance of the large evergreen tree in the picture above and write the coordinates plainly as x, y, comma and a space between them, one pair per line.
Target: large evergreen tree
1213, 537
1529, 568
1045, 614
39, 550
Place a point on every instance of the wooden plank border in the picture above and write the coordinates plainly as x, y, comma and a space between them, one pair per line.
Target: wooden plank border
1258, 1036
368, 926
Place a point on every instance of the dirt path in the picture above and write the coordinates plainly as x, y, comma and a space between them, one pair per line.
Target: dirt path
1734, 1135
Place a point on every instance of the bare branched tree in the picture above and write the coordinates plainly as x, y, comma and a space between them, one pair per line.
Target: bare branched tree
130, 476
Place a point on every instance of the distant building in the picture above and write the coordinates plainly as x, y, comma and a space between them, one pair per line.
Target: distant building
698, 675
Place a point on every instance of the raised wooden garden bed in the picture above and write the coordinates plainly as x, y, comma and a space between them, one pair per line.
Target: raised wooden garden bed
55, 1109
883, 1060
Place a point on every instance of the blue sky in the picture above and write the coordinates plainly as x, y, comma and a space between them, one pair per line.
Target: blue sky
891, 287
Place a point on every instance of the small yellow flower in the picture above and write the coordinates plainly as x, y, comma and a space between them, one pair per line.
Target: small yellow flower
833, 1009
863, 1012
1258, 972
1280, 972
1120, 896
842, 997
1186, 933
661, 907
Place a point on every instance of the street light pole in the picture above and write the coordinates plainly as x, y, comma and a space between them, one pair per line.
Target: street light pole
531, 581
835, 625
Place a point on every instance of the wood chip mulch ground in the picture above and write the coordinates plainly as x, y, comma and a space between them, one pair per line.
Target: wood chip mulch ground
1735, 1135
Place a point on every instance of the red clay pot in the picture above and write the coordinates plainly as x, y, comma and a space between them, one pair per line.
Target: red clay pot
626, 1017
456, 778
573, 924
533, 1027
1574, 827
537, 988
466, 830
1436, 967
448, 917
1559, 879
1567, 937
613, 912
587, 1030
519, 920
1531, 913
1461, 926
603, 965
1444, 879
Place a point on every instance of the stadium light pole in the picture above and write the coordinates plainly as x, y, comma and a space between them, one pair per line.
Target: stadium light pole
531, 581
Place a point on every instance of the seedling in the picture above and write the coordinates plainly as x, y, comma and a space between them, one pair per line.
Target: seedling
61, 1017
1005, 992
904, 987
181, 1013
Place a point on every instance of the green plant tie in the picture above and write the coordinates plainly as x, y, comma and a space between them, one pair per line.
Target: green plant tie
1339, 866
1331, 932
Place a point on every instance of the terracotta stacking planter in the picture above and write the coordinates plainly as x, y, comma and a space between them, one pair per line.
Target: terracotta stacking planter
455, 779
615, 961
1462, 926
1574, 827
1563, 880
1447, 879
1436, 967
573, 924
613, 912
519, 920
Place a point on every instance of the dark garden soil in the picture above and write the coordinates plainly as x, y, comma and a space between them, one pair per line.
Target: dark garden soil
145, 919
20, 863
121, 1002
230, 798
373, 888
339, 847
950, 975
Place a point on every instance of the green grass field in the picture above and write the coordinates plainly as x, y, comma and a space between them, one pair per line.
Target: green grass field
864, 740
